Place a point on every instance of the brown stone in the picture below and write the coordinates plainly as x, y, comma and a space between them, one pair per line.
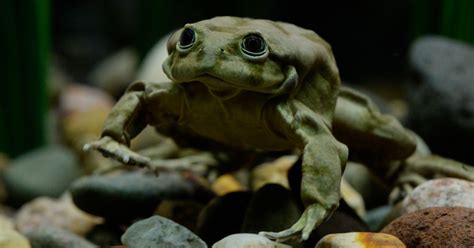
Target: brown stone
435, 227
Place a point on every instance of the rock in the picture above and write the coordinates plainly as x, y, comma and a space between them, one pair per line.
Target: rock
376, 217
435, 227
10, 238
273, 172
157, 231
106, 235
247, 240
352, 198
223, 216
373, 192
47, 171
49, 236
226, 184
116, 72
61, 213
359, 239
154, 59
444, 192
83, 110
443, 95
272, 208
183, 212
129, 195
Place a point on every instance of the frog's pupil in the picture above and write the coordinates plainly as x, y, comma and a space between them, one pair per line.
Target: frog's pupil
187, 37
254, 44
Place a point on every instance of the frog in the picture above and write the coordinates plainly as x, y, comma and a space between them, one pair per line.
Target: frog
263, 85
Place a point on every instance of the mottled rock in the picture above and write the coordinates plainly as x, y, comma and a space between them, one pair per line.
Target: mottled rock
443, 95
49, 236
157, 231
61, 213
435, 227
273, 172
226, 184
247, 240
444, 192
359, 239
123, 197
272, 208
223, 216
47, 171
9, 238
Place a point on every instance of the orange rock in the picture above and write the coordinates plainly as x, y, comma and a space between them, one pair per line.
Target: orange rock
360, 240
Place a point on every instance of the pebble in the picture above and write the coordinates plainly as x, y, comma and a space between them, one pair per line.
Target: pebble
61, 213
129, 195
183, 212
223, 216
272, 208
359, 240
49, 236
46, 171
443, 95
158, 231
226, 183
247, 240
9, 238
435, 227
443, 192
273, 172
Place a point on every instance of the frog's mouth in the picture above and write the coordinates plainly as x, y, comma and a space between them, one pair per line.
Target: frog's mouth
227, 89
219, 88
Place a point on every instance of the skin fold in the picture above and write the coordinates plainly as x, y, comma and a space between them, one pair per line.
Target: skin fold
268, 86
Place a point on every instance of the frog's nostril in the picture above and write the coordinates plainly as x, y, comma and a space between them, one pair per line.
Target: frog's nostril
222, 50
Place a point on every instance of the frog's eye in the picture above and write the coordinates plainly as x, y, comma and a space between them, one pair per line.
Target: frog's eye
186, 40
254, 45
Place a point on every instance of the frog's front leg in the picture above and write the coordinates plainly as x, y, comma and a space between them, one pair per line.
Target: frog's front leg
127, 119
324, 159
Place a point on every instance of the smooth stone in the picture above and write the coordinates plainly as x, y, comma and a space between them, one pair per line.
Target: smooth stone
157, 231
376, 217
352, 198
223, 216
444, 192
49, 236
9, 238
47, 171
183, 212
116, 72
272, 208
106, 235
247, 240
61, 213
359, 240
273, 172
435, 227
124, 197
442, 95
372, 190
225, 184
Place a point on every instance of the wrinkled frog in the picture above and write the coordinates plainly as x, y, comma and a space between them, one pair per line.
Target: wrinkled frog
262, 85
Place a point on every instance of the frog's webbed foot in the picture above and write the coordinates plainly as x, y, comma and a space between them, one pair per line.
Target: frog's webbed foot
312, 217
111, 148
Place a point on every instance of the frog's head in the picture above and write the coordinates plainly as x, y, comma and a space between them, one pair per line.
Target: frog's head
230, 54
